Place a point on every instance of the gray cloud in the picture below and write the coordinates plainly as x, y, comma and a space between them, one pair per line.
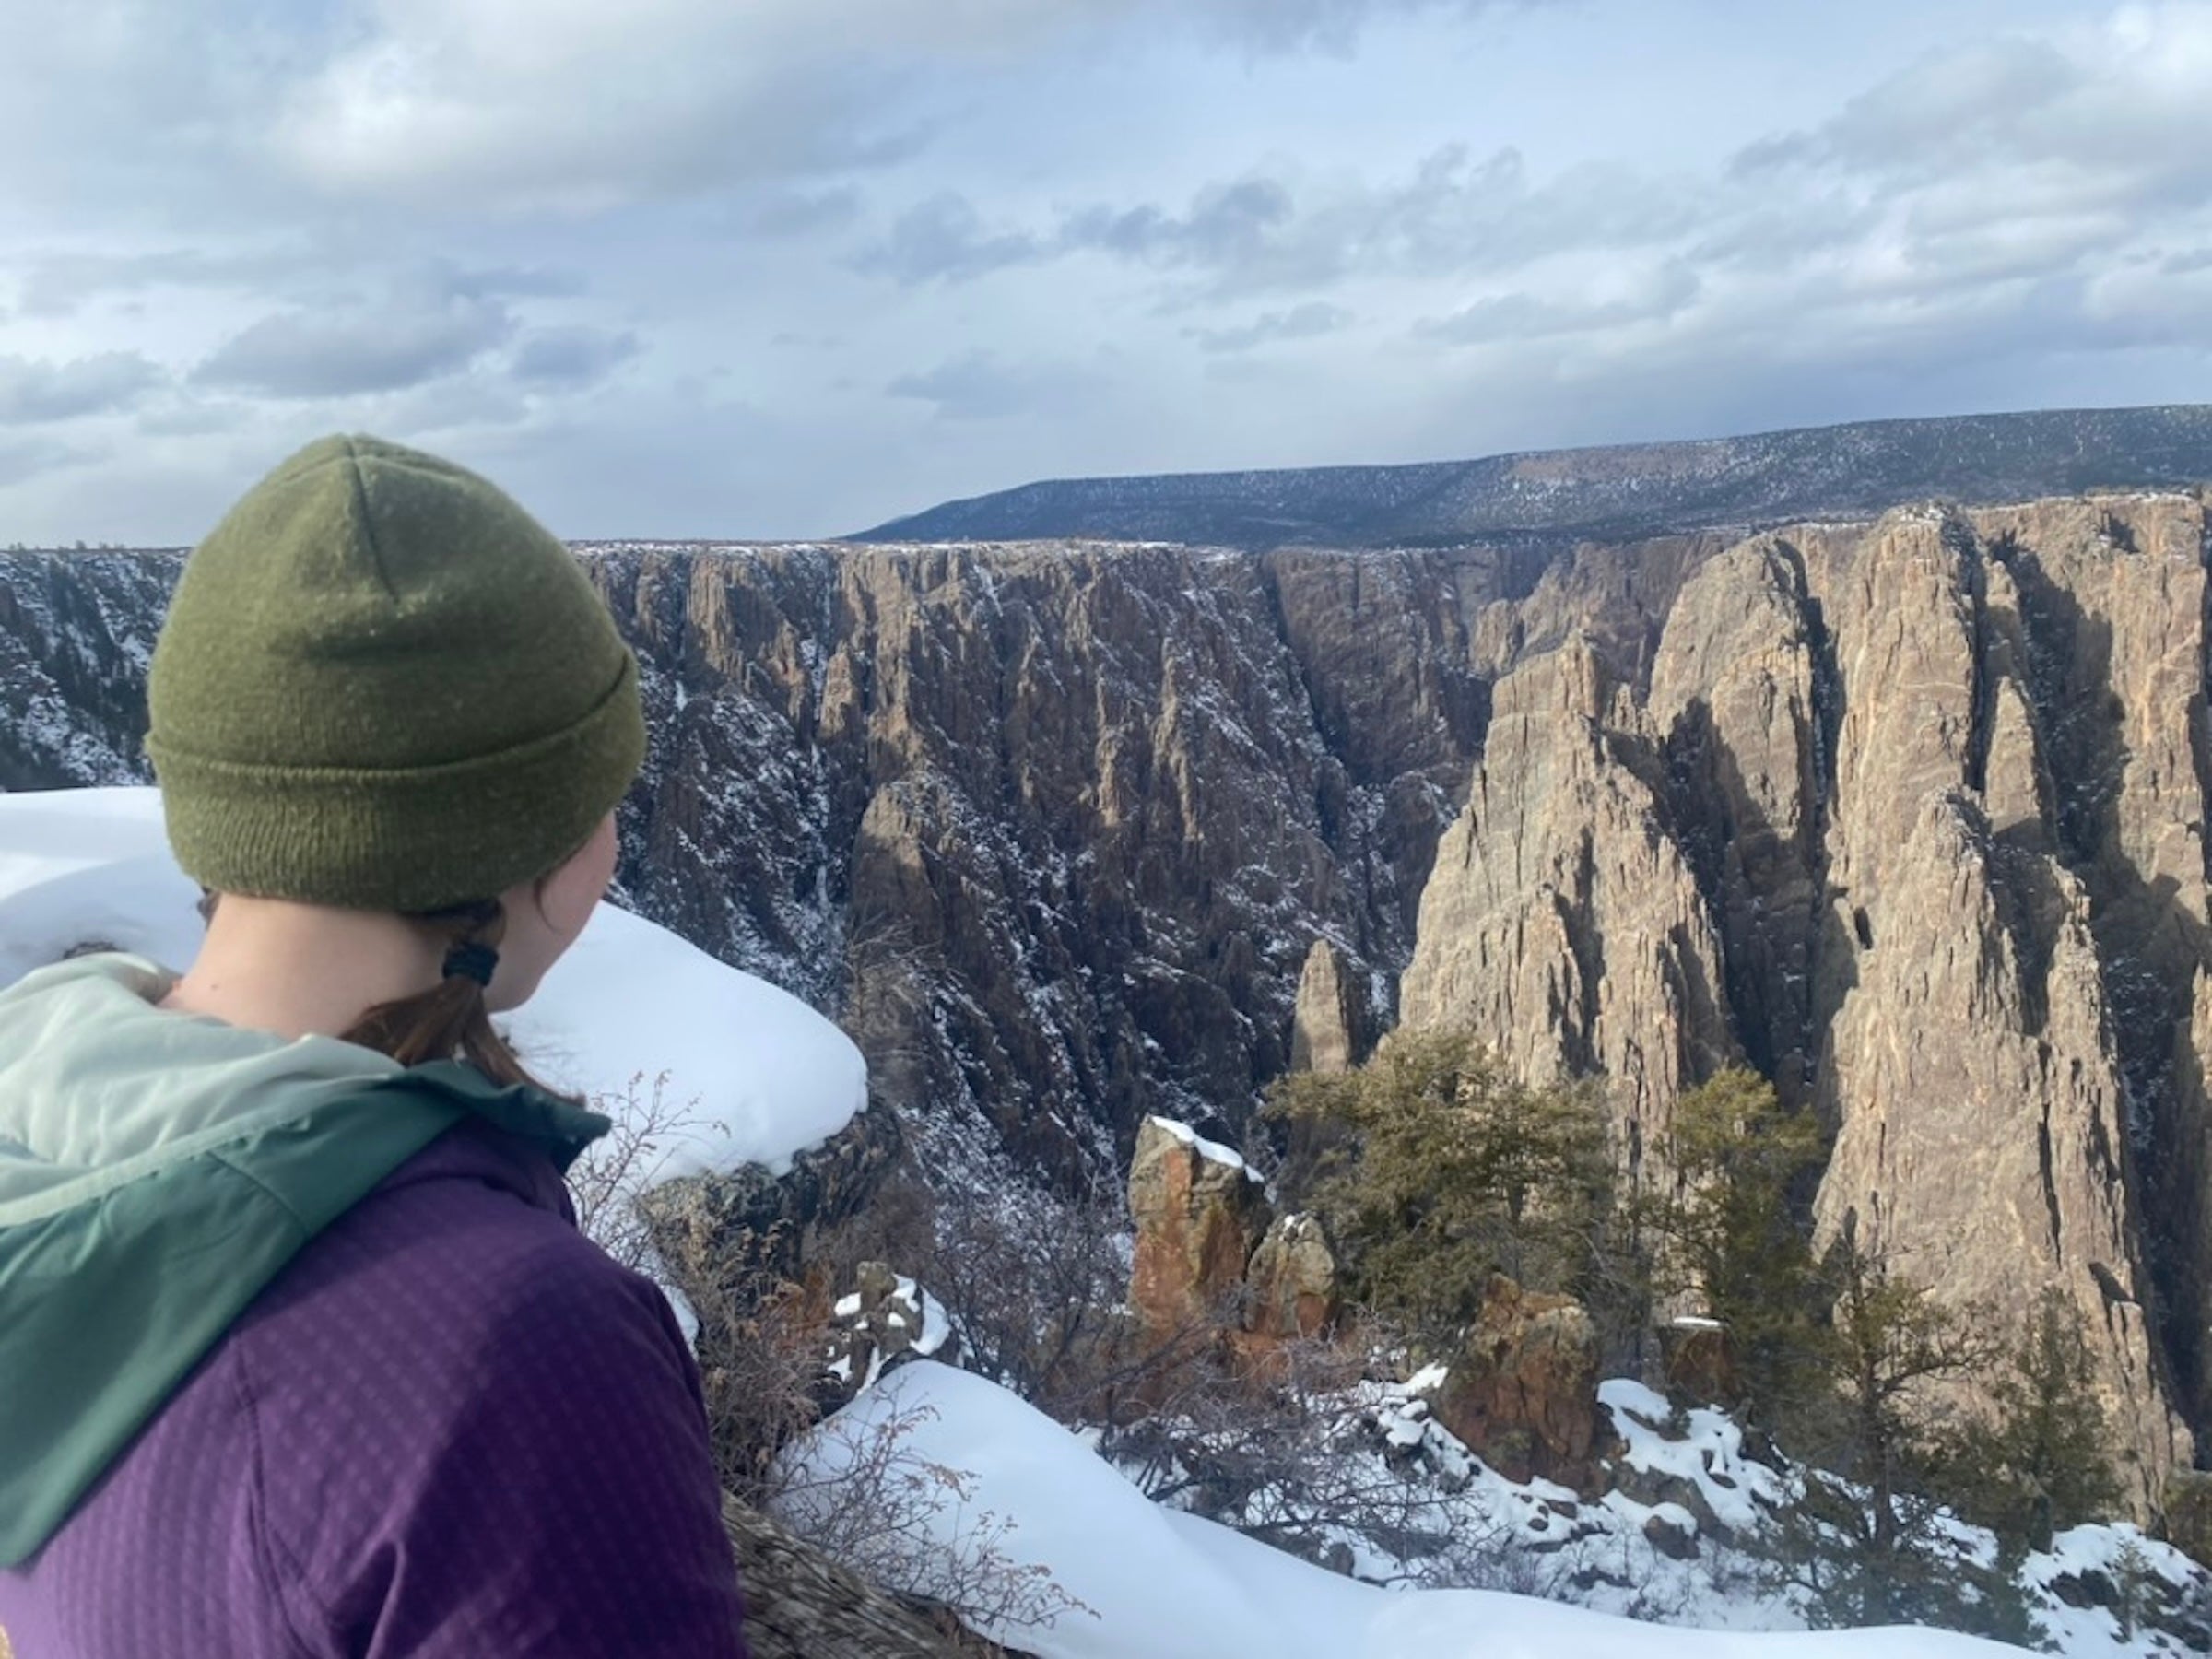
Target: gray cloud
945, 239
1230, 224
1524, 316
2103, 116
23, 458
421, 98
1263, 233
35, 390
417, 333
1292, 25
58, 283
978, 385
1306, 321
803, 212
572, 355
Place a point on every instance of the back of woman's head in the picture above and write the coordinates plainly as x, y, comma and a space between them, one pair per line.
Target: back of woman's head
383, 686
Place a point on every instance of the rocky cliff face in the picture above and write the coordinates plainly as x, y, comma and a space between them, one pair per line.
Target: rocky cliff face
1910, 816
76, 631
1054, 828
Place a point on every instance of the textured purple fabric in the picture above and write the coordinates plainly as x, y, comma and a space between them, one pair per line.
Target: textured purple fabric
452, 1427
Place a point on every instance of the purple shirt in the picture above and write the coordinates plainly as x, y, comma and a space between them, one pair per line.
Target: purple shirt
450, 1427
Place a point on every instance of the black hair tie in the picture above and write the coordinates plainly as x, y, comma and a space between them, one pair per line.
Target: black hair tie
471, 961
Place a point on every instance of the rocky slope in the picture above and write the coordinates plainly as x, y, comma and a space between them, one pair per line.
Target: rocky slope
1552, 497
1908, 816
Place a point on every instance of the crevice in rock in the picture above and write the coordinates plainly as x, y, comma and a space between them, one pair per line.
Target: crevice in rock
2042, 1150
1981, 729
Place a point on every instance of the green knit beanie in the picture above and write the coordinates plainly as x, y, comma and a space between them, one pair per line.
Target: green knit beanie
383, 684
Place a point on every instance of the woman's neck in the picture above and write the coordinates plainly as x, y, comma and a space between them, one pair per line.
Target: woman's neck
301, 969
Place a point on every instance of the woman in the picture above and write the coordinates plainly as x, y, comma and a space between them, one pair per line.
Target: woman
301, 1352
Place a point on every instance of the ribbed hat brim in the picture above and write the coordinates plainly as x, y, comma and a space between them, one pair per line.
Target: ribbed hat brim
402, 840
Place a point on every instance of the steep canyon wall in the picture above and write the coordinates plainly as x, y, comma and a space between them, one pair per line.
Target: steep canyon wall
1910, 818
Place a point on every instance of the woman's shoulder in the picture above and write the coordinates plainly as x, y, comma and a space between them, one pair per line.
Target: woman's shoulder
463, 1263
470, 1419
458, 1288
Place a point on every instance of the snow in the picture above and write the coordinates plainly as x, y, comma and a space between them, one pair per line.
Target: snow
754, 1074
1154, 1584
2116, 1552
936, 1325
1212, 1151
1709, 1456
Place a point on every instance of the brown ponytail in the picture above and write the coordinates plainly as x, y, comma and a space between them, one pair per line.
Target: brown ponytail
449, 1022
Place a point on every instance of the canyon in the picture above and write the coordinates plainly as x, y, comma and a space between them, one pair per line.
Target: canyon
1906, 812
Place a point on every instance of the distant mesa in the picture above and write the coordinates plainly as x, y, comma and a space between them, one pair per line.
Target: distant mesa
1854, 471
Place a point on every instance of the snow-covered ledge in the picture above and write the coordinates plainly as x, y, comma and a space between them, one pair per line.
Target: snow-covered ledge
769, 1077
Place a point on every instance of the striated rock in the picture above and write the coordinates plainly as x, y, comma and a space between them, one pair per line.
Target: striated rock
1199, 1214
1562, 922
1054, 826
1329, 1019
1522, 1392
800, 1604
1290, 1284
1969, 1059
1911, 815
744, 1228
1738, 692
1981, 1144
2113, 595
77, 633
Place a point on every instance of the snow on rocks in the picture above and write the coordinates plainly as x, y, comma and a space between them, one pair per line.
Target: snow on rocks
1706, 1458
1212, 1151
756, 1075
1159, 1584
888, 1321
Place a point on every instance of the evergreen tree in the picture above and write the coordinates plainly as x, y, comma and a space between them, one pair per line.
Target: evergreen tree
2042, 1461
1432, 1167
1871, 1541
1725, 1233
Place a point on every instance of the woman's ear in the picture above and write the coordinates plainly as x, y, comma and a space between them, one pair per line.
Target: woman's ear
567, 896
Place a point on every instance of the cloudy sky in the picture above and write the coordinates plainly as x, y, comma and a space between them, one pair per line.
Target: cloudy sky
789, 267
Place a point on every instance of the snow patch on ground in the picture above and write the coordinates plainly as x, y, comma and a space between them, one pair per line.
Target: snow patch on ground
1160, 1584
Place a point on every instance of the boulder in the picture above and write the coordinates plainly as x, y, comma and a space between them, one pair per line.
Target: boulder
1521, 1393
1676, 1540
1199, 1212
1291, 1285
1698, 1362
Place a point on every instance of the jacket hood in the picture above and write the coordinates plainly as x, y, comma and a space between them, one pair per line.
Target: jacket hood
156, 1170
99, 1086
